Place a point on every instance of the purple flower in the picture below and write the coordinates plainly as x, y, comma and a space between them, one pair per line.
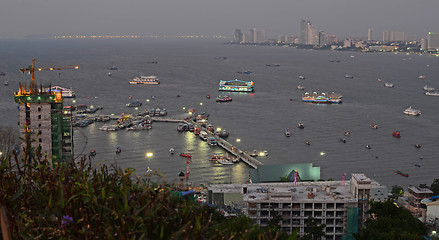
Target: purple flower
66, 219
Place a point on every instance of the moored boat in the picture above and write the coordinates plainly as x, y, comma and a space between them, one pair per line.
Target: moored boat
92, 153
134, 104
300, 125
348, 76
428, 89
402, 173
301, 77
236, 86
223, 99
396, 134
186, 155
217, 156
212, 141
287, 132
432, 94
65, 92
171, 150
389, 85
118, 150
224, 161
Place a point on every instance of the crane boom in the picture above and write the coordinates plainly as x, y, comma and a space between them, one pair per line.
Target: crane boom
31, 69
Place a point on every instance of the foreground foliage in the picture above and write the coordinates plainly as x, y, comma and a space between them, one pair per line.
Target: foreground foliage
79, 201
389, 221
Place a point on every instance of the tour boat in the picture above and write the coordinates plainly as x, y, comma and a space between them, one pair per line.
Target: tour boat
65, 92
402, 173
150, 80
396, 134
432, 94
236, 86
217, 156
186, 155
412, 111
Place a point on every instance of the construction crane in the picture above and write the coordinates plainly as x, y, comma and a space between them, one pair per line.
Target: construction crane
31, 69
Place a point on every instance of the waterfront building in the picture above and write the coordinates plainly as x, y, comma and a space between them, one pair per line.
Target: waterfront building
424, 44
312, 36
44, 124
238, 35
369, 35
417, 194
433, 213
347, 43
322, 39
281, 38
332, 39
399, 36
411, 38
260, 36
251, 35
339, 205
291, 39
433, 41
303, 33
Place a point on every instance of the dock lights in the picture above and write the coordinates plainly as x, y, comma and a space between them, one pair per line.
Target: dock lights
149, 154
201, 104
74, 101
91, 106
261, 154
218, 129
238, 140
147, 100
136, 108
184, 108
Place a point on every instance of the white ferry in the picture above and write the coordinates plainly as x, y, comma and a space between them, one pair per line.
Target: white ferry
151, 80
432, 94
412, 111
65, 92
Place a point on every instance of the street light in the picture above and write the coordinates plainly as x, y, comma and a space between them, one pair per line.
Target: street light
149, 154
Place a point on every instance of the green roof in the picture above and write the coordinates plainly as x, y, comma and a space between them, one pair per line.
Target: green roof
273, 173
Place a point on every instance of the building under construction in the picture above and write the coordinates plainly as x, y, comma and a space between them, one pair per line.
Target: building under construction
44, 126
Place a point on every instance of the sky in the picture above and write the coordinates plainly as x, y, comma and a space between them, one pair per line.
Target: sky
344, 18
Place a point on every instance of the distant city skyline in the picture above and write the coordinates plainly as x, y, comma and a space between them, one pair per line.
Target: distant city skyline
343, 18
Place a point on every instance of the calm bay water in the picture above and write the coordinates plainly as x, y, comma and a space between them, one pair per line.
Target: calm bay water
188, 68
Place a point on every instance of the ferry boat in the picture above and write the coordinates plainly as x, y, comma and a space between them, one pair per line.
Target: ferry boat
389, 85
287, 132
236, 86
326, 98
402, 173
428, 89
396, 134
65, 92
223, 99
412, 111
432, 94
150, 80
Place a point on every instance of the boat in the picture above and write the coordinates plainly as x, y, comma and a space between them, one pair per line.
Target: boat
217, 156
150, 80
412, 111
254, 154
203, 135
92, 153
140, 127
153, 62
396, 134
223, 99
113, 68
118, 150
432, 94
428, 89
347, 133
171, 150
379, 80
212, 141
6, 83
109, 74
222, 134
300, 125
342, 140
402, 173
65, 92
301, 77
389, 85
421, 77
417, 165
300, 87
417, 146
208, 96
186, 155
134, 104
236, 86
368, 147
224, 161
2, 74
108, 128
327, 98
374, 126
308, 143
348, 76
210, 128
287, 133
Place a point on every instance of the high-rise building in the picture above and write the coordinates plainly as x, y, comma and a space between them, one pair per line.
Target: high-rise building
260, 36
44, 125
369, 34
303, 32
433, 41
387, 36
424, 44
323, 40
238, 35
399, 37
312, 35
251, 35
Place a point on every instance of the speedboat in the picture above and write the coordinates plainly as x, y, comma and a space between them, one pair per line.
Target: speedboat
428, 89
118, 150
342, 140
421, 77
348, 76
417, 146
396, 134
92, 153
223, 99
6, 83
308, 143
300, 125
368, 146
432, 94
171, 150
212, 141
374, 126
109, 74
412, 111
301, 77
134, 104
287, 132
224, 161
389, 85
186, 155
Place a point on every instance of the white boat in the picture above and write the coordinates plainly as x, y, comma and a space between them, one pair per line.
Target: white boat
389, 85
287, 132
108, 128
6, 83
171, 150
65, 92
301, 77
150, 80
421, 77
224, 161
109, 74
412, 111
428, 89
432, 94
203, 135
300, 87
